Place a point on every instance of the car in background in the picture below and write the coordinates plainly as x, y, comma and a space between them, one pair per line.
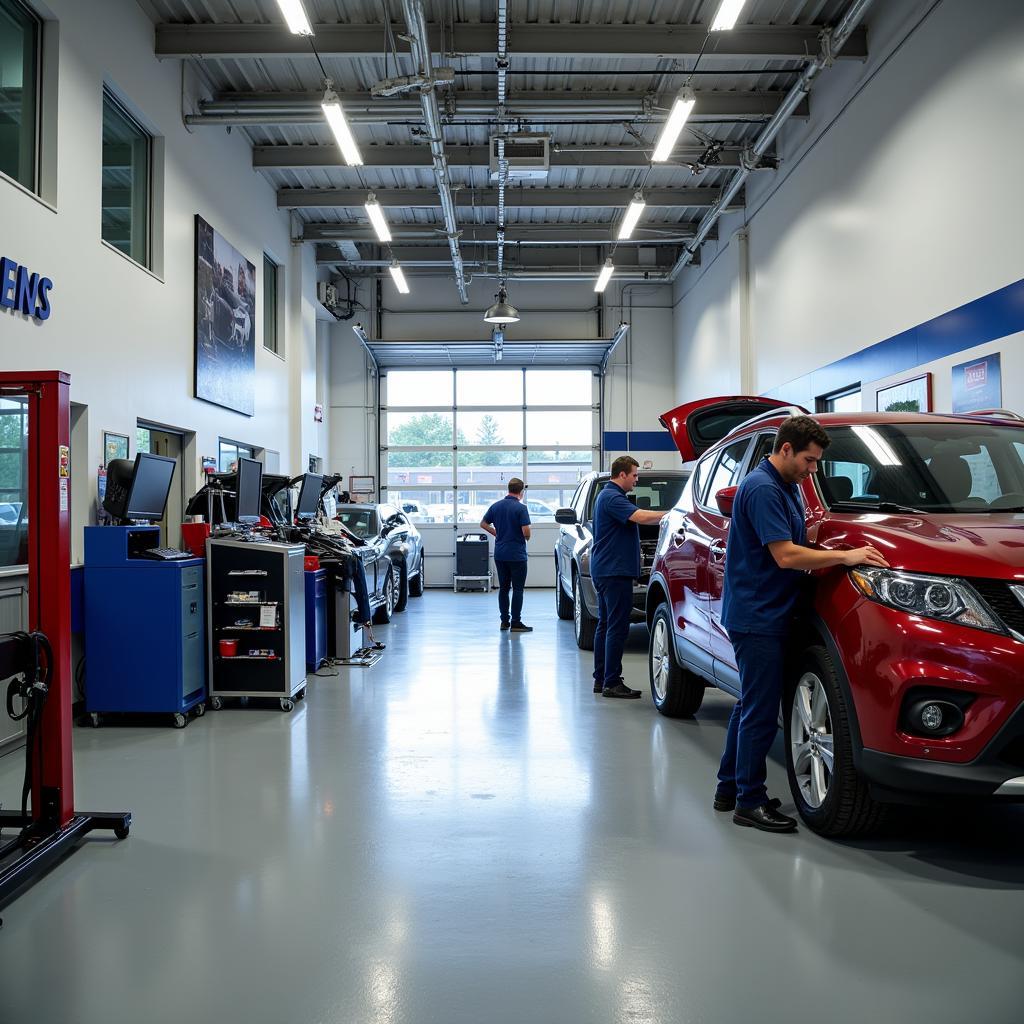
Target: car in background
905, 683
389, 531
540, 511
10, 512
575, 596
416, 511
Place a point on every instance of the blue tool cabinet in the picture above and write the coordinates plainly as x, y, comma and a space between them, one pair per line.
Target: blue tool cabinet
316, 618
145, 627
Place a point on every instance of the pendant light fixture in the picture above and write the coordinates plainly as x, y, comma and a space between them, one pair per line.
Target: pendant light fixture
502, 312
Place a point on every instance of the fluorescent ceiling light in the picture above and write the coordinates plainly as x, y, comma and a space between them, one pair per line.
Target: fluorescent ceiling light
331, 107
633, 211
376, 215
728, 12
399, 278
502, 312
295, 15
605, 276
674, 125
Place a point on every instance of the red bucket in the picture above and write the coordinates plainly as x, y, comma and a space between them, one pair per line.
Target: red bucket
312, 563
194, 536
228, 648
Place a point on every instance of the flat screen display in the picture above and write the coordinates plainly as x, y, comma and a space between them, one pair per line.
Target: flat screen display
249, 487
309, 496
151, 483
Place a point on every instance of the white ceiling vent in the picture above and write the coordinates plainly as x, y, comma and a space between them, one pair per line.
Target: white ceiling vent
527, 155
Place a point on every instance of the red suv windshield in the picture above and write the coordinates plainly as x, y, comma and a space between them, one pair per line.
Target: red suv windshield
924, 467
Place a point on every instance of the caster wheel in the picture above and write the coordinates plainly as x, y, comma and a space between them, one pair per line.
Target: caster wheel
216, 703
121, 832
287, 704
180, 721
200, 710
94, 719
301, 695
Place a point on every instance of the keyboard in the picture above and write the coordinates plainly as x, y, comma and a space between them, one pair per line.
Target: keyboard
167, 554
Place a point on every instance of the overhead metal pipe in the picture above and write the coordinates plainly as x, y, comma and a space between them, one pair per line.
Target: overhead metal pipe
501, 63
832, 41
419, 44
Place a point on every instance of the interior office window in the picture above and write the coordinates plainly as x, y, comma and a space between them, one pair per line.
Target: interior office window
13, 481
143, 441
127, 159
19, 91
847, 400
270, 340
228, 453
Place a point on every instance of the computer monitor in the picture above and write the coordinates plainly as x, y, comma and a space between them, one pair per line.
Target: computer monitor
309, 496
249, 488
139, 489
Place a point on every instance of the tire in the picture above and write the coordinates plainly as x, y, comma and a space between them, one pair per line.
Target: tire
382, 616
402, 590
676, 692
180, 720
416, 582
816, 720
563, 603
584, 624
287, 704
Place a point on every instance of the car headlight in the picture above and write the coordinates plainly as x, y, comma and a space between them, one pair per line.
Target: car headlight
934, 597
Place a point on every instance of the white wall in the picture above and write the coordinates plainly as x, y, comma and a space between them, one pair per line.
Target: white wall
125, 336
907, 206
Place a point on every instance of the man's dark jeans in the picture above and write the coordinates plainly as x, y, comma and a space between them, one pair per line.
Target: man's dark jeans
511, 575
753, 724
614, 607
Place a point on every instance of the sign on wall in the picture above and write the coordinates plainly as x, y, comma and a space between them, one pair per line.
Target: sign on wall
977, 384
23, 291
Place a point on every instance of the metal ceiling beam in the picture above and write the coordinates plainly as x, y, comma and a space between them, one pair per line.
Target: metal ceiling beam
565, 258
526, 235
542, 198
625, 158
531, 41
304, 107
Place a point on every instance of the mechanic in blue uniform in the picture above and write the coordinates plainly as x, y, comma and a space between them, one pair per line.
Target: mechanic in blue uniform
614, 565
508, 522
765, 560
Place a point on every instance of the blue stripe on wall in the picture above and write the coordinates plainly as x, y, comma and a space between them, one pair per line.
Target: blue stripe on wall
993, 316
638, 440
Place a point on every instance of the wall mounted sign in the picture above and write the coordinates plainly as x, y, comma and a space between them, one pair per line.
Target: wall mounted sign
24, 291
977, 384
115, 446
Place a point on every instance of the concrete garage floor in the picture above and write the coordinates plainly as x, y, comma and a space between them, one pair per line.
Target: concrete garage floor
466, 834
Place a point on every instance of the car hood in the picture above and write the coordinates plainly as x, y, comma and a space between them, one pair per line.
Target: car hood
989, 545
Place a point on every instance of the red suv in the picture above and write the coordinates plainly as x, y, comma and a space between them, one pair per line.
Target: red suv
905, 684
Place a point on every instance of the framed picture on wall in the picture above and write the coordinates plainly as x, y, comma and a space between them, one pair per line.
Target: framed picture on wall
912, 395
115, 446
225, 322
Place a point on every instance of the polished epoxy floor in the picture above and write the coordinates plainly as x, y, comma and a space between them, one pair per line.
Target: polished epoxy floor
465, 834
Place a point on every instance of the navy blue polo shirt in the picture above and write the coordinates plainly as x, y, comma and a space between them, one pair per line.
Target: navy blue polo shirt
759, 596
508, 516
616, 547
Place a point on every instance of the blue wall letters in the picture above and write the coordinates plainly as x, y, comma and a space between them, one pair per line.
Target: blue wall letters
23, 291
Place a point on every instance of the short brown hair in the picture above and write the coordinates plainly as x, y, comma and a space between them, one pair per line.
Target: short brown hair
623, 464
801, 432
516, 486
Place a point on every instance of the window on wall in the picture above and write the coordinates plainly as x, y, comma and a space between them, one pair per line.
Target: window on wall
270, 339
228, 453
127, 161
19, 92
143, 439
13, 481
452, 439
845, 400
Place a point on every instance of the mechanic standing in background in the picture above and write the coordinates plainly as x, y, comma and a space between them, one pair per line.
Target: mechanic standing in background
614, 565
508, 522
765, 560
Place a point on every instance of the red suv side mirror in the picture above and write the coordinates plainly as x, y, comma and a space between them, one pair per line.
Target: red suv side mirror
724, 499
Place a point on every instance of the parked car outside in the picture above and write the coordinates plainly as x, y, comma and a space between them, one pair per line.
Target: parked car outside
416, 511
390, 531
905, 683
9, 512
540, 511
575, 596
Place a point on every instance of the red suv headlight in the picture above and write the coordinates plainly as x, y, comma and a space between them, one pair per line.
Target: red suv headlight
933, 597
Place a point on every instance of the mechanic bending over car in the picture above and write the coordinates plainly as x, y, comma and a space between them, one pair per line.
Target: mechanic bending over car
614, 565
765, 558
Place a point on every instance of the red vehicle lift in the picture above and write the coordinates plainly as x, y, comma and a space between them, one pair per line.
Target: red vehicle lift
53, 826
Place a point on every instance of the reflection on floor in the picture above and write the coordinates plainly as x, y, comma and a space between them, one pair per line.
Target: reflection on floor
465, 834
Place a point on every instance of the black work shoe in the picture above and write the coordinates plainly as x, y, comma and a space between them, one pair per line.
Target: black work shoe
520, 627
598, 687
504, 625
622, 691
725, 802
765, 817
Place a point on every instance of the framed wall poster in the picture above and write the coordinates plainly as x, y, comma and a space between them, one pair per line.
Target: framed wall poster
978, 384
360, 485
115, 446
913, 395
225, 319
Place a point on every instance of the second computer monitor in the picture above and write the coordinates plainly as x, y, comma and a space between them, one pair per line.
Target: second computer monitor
309, 496
249, 488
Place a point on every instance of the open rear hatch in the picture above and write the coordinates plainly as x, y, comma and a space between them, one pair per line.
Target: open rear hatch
697, 426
